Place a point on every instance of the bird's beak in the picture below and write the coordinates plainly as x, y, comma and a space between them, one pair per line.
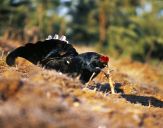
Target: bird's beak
105, 73
106, 65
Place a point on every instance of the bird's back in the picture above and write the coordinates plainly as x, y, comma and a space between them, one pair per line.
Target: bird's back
41, 50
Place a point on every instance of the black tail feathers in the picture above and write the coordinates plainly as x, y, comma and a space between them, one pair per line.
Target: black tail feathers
10, 59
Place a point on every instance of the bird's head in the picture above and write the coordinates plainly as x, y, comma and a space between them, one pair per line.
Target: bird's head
104, 60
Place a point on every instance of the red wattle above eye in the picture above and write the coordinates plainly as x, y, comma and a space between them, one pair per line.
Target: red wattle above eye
104, 59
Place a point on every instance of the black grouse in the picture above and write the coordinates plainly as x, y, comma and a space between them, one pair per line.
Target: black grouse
59, 55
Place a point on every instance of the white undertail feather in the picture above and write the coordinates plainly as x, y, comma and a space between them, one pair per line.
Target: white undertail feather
63, 38
56, 36
49, 37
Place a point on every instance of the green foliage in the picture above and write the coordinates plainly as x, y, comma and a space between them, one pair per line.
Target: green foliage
35, 15
119, 27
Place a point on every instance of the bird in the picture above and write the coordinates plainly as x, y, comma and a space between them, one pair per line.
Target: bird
58, 54
84, 64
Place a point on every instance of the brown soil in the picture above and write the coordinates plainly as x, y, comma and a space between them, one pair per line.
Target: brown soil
37, 98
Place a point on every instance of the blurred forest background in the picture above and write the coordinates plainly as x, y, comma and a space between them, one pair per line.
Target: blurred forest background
132, 28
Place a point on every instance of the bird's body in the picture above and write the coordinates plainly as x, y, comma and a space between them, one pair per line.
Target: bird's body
61, 56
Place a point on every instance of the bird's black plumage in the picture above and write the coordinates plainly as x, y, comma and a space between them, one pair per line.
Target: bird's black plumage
61, 56
86, 64
42, 50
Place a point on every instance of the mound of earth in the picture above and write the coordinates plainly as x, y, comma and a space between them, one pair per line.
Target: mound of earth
34, 97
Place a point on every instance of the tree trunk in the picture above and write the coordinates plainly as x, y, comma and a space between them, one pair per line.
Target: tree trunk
102, 26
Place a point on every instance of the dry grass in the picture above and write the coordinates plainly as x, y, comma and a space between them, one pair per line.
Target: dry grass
34, 97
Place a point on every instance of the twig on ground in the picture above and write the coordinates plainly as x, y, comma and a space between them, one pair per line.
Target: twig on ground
110, 81
88, 83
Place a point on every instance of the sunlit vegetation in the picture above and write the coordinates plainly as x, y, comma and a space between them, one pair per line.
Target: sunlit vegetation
128, 31
120, 28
